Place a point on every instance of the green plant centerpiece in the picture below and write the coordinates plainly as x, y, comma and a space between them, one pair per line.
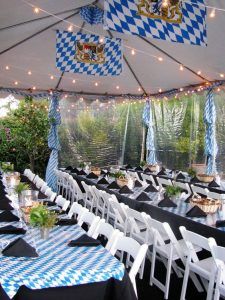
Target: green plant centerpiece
120, 178
19, 189
7, 167
191, 172
42, 218
173, 192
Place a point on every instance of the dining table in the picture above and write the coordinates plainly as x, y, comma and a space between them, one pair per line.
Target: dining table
58, 271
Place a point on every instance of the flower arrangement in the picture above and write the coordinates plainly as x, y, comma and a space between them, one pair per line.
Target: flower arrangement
41, 217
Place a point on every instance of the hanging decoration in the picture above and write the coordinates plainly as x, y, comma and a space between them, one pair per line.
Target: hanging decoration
211, 147
88, 54
171, 20
92, 15
53, 142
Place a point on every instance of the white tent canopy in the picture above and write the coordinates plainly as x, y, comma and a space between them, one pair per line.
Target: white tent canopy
37, 54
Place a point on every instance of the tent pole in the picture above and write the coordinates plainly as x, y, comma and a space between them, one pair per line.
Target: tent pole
172, 58
130, 68
37, 33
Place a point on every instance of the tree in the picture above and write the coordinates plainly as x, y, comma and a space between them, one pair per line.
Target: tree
27, 144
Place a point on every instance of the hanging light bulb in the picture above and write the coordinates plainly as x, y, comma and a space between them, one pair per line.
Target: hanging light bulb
212, 13
70, 28
51, 77
199, 72
29, 73
101, 40
74, 81
181, 89
139, 89
117, 87
133, 52
218, 90
34, 88
16, 82
181, 68
7, 68
160, 59
222, 75
96, 83
65, 96
36, 10
160, 90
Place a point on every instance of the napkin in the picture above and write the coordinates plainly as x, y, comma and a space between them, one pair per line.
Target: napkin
213, 184
113, 185
180, 176
5, 206
19, 248
137, 183
11, 230
143, 197
49, 203
125, 190
220, 223
81, 172
166, 202
84, 241
196, 212
42, 195
69, 168
151, 189
195, 180
161, 172
7, 216
188, 199
92, 176
147, 170
138, 169
128, 166
103, 181
103, 172
65, 222
74, 170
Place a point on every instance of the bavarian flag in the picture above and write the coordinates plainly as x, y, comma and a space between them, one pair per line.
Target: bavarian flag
88, 54
171, 20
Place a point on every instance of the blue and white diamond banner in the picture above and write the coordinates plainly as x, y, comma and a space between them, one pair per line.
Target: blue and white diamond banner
88, 54
170, 20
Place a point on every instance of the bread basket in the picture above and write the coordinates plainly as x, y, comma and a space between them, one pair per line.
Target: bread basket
208, 205
96, 170
205, 178
121, 181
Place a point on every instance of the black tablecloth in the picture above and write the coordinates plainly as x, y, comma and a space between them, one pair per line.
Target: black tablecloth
111, 289
162, 215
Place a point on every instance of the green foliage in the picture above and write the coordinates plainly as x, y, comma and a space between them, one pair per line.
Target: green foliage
21, 187
27, 146
173, 190
40, 216
7, 167
143, 163
191, 172
117, 175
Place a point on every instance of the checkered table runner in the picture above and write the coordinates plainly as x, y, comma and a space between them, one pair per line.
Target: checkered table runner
57, 264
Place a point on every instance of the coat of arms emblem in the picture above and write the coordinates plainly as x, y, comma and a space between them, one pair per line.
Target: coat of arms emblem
90, 53
167, 10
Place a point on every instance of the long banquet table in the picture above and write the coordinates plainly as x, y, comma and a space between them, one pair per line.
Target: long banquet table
60, 272
176, 217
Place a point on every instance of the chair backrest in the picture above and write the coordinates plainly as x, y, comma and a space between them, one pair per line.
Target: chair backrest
199, 190
193, 239
183, 185
117, 211
136, 220
91, 220
218, 254
62, 202
164, 182
106, 230
77, 210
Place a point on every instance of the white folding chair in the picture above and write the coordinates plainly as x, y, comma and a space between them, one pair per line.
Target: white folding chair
91, 220
50, 194
199, 190
218, 254
205, 268
135, 250
76, 210
106, 230
62, 203
90, 201
117, 215
148, 178
164, 182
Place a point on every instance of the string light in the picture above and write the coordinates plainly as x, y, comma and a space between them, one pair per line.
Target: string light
212, 13
181, 68
70, 28
160, 90
117, 87
222, 75
96, 83
16, 82
139, 89
133, 52
51, 77
160, 59
66, 96
36, 10
7, 68
181, 89
199, 72
29, 73
74, 81
101, 40
34, 88
218, 90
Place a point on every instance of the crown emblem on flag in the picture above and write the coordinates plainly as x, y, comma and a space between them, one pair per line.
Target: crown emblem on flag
90, 53
167, 10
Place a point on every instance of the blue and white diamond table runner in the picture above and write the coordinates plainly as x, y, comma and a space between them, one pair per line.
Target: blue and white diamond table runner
57, 265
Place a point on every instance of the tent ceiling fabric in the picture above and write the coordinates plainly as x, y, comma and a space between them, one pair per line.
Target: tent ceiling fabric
38, 53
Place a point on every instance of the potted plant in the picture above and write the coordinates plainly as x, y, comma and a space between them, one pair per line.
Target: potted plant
173, 192
20, 188
43, 218
120, 178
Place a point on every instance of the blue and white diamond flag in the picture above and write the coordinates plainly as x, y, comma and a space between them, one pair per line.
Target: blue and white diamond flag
171, 20
88, 54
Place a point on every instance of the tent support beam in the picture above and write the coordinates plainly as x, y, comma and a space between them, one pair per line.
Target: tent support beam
172, 58
62, 74
37, 33
131, 69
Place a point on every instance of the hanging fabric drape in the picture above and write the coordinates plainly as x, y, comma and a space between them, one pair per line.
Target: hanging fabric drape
53, 141
150, 141
211, 148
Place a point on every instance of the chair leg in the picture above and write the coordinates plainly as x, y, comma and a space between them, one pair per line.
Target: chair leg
185, 282
168, 274
210, 286
153, 265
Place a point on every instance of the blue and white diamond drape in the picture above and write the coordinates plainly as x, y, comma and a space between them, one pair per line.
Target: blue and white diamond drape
211, 147
53, 142
88, 54
92, 15
179, 21
150, 141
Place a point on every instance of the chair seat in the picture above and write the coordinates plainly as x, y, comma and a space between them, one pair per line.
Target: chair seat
207, 266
